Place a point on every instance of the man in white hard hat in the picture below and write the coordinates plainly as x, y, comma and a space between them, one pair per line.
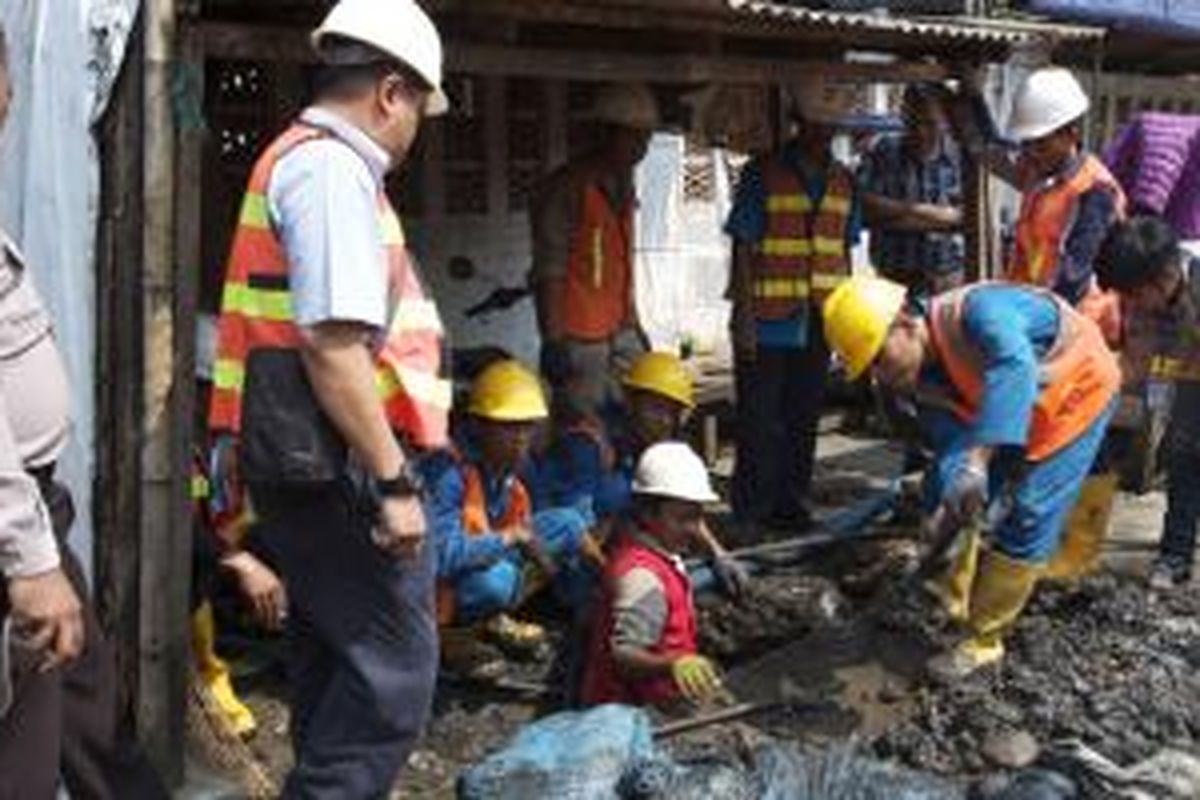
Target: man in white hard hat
583, 270
1070, 200
795, 219
327, 387
643, 648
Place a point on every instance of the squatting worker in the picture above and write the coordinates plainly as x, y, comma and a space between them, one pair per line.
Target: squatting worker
1015, 390
328, 385
1159, 283
794, 221
583, 254
58, 680
643, 648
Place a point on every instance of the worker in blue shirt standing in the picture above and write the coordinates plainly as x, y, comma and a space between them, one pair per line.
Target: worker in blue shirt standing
795, 219
1016, 389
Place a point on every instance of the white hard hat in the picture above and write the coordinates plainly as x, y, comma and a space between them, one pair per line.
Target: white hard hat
1047, 100
631, 105
399, 28
818, 100
672, 469
206, 346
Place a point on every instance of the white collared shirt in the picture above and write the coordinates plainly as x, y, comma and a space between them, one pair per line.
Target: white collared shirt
323, 200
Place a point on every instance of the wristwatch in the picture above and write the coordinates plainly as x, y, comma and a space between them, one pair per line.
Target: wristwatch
406, 483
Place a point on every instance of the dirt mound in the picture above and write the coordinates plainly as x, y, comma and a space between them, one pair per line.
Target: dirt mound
1108, 663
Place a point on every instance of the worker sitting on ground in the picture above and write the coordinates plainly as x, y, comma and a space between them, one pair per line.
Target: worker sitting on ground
1015, 390
643, 648
492, 550
589, 465
1159, 284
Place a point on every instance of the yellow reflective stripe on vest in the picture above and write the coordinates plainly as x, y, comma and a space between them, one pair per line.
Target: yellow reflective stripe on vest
424, 388
199, 487
826, 281
254, 212
836, 204
229, 374
819, 245
391, 230
798, 203
1174, 369
274, 305
413, 315
780, 288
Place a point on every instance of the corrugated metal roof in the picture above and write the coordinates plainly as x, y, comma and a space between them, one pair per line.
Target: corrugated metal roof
990, 30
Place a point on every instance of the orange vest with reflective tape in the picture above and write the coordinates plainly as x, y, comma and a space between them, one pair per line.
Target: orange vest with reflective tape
1047, 214
1079, 375
256, 312
518, 510
803, 256
598, 297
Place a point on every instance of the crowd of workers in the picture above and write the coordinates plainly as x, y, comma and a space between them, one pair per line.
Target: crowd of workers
359, 508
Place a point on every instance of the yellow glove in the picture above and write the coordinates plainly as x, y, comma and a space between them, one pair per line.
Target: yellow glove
696, 677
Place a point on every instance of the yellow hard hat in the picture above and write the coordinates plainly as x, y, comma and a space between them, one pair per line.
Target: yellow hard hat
663, 374
507, 392
858, 315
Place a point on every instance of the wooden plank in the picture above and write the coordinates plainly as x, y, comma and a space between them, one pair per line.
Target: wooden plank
223, 40
119, 370
165, 529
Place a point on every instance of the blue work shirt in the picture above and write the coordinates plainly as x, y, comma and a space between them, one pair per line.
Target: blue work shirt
747, 223
1012, 327
458, 551
573, 473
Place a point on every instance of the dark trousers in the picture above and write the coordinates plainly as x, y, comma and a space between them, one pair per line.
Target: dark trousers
65, 722
779, 398
363, 641
1181, 453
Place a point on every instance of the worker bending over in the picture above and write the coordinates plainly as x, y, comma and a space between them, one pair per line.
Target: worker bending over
590, 465
1159, 283
643, 647
1015, 390
492, 550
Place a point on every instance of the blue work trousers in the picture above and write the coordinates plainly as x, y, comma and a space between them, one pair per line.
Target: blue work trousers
1181, 454
363, 641
1043, 494
490, 590
779, 397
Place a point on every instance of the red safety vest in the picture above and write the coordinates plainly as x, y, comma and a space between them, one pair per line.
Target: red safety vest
1079, 375
256, 312
598, 296
602, 681
518, 510
803, 256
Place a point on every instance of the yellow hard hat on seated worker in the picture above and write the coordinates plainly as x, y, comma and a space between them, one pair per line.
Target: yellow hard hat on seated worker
663, 374
507, 392
858, 315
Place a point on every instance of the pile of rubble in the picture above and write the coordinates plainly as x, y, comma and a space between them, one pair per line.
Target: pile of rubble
1106, 663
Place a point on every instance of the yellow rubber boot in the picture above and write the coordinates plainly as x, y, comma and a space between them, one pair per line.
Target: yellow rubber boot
1079, 553
1001, 589
236, 717
953, 587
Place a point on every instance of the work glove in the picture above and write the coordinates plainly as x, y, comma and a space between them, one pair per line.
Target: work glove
968, 493
731, 576
697, 678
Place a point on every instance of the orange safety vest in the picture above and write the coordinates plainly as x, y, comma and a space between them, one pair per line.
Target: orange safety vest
518, 510
803, 256
598, 296
1046, 214
1079, 375
256, 312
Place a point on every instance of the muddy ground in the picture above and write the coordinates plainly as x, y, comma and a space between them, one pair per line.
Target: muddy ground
842, 639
